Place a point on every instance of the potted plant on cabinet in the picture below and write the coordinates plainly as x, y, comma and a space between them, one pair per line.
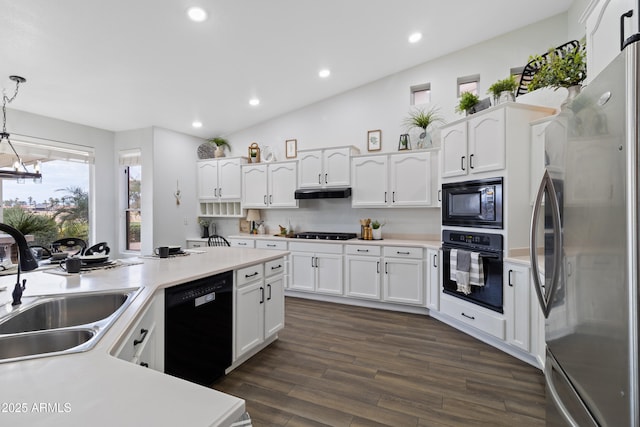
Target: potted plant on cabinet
220, 143
376, 230
468, 100
204, 223
503, 90
421, 118
561, 67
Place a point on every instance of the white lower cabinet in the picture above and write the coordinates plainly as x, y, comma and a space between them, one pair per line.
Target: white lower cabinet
242, 243
144, 344
362, 271
434, 285
316, 267
517, 305
403, 275
259, 306
488, 321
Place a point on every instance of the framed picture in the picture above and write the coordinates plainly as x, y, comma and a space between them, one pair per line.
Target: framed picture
291, 148
374, 140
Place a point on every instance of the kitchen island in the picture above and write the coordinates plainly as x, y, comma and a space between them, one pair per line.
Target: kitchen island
95, 387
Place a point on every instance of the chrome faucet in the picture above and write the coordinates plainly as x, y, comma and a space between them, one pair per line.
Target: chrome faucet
26, 261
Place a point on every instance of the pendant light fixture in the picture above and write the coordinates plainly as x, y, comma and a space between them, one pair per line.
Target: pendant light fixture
19, 170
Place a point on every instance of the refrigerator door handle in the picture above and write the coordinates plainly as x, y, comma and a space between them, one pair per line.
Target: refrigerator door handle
544, 296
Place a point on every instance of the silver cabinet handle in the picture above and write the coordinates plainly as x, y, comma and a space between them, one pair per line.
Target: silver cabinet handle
220, 192
471, 161
378, 267
319, 178
270, 199
215, 192
462, 162
265, 199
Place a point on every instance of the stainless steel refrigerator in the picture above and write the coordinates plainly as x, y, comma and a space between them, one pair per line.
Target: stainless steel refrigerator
584, 246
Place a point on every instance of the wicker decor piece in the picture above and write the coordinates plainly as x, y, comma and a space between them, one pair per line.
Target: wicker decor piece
206, 151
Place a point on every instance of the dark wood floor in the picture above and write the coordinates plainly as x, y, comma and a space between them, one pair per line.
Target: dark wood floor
340, 365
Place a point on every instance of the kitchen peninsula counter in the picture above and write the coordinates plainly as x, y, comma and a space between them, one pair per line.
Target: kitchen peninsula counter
96, 388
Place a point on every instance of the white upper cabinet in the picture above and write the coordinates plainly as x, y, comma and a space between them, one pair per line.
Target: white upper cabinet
602, 22
394, 180
220, 179
325, 168
269, 185
475, 145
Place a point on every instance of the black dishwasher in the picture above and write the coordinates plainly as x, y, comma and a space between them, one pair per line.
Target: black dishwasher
198, 328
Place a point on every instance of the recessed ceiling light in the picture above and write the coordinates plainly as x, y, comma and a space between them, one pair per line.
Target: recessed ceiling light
324, 73
415, 37
196, 124
254, 102
197, 14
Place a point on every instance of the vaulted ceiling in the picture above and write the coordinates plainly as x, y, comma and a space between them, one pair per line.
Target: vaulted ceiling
128, 64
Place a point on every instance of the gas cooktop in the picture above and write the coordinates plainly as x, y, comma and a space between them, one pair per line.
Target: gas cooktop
325, 235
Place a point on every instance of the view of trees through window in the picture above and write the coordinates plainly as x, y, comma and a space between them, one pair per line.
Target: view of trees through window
56, 208
134, 177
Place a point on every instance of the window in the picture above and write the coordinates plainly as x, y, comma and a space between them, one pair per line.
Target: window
132, 172
421, 94
469, 84
57, 207
517, 73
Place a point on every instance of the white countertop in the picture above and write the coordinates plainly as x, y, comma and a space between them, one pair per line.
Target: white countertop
433, 244
97, 389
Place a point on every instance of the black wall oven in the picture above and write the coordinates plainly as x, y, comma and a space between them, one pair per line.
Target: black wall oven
475, 203
489, 247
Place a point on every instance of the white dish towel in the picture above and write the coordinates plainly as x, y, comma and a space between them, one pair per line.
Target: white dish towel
464, 278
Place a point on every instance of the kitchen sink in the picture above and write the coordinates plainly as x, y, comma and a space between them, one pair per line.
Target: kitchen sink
43, 342
64, 311
59, 324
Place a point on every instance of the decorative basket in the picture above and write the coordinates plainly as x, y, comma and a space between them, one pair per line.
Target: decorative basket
206, 151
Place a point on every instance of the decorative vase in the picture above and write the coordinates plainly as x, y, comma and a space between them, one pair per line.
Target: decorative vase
219, 151
424, 140
572, 92
506, 96
205, 232
376, 233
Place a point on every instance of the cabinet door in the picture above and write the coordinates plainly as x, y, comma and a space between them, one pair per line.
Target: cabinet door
208, 179
369, 181
273, 306
310, 173
536, 157
229, 179
487, 142
303, 272
282, 185
433, 267
328, 274
603, 32
454, 150
249, 317
410, 179
517, 305
336, 164
254, 186
362, 277
403, 281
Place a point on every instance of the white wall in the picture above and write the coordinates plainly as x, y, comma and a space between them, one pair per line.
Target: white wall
346, 118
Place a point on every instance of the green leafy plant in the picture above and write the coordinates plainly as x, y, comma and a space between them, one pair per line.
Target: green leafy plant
375, 224
560, 69
204, 222
421, 118
220, 142
467, 100
505, 85
43, 228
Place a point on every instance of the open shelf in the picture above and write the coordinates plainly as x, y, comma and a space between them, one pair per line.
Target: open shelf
221, 209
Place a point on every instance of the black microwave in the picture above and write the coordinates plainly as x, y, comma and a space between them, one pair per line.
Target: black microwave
473, 203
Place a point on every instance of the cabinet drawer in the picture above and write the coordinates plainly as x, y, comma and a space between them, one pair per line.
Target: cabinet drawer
271, 244
326, 248
403, 252
271, 268
249, 274
242, 243
372, 250
493, 324
196, 244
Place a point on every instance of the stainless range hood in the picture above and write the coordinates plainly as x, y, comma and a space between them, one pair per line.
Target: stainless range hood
323, 193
